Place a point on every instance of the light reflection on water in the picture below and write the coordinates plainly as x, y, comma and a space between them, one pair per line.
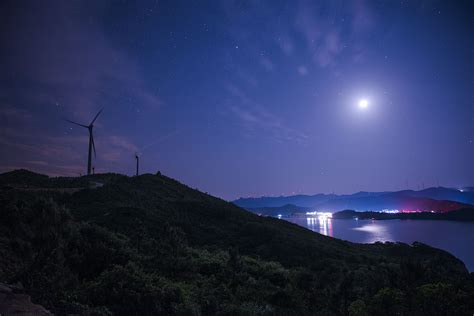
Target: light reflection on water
452, 236
375, 232
366, 231
322, 225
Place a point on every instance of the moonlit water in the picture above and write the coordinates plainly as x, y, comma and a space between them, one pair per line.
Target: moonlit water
454, 237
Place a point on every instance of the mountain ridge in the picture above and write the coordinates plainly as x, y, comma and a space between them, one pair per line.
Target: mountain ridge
450, 199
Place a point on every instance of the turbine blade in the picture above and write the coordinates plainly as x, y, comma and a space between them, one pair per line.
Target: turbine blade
76, 123
96, 116
93, 147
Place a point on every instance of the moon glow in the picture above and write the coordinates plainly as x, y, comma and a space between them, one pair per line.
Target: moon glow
363, 104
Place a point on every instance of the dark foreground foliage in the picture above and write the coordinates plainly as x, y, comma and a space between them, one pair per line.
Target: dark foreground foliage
149, 245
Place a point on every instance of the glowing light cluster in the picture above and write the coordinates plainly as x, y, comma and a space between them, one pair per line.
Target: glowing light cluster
320, 214
390, 211
415, 211
395, 211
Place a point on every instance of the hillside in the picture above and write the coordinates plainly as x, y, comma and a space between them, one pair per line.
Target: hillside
150, 245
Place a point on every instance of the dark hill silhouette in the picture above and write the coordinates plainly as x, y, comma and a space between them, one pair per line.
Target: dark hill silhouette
149, 245
22, 178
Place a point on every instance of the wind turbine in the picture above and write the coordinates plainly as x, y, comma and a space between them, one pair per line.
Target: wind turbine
90, 128
138, 160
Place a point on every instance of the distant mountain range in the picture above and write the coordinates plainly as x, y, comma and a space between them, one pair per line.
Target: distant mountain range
279, 210
464, 215
437, 199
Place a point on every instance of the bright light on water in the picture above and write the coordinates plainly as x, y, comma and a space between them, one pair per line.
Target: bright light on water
375, 232
320, 224
440, 234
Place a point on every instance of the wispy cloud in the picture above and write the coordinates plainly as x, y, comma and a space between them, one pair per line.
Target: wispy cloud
57, 61
267, 63
257, 120
322, 30
302, 70
11, 116
322, 38
285, 43
64, 154
324, 34
75, 66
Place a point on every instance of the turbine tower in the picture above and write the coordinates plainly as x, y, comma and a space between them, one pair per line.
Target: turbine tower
138, 160
90, 128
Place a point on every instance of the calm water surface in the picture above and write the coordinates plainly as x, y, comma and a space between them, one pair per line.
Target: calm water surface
454, 237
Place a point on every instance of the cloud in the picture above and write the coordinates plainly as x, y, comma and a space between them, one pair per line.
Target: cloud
245, 115
321, 29
65, 58
319, 23
10, 115
29, 146
302, 70
56, 155
257, 120
36, 162
57, 60
266, 63
322, 38
363, 19
122, 143
286, 44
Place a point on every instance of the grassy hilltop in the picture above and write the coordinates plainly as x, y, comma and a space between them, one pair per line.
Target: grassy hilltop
114, 245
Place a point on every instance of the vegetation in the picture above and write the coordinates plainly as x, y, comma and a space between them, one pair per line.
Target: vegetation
149, 245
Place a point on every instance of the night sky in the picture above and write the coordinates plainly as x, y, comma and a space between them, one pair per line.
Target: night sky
243, 98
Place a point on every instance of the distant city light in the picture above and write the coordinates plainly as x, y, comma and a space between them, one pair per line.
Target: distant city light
390, 211
395, 211
320, 214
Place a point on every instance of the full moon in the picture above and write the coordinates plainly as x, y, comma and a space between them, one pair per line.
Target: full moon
363, 104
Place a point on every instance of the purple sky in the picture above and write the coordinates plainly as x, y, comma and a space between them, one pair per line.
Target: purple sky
243, 98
